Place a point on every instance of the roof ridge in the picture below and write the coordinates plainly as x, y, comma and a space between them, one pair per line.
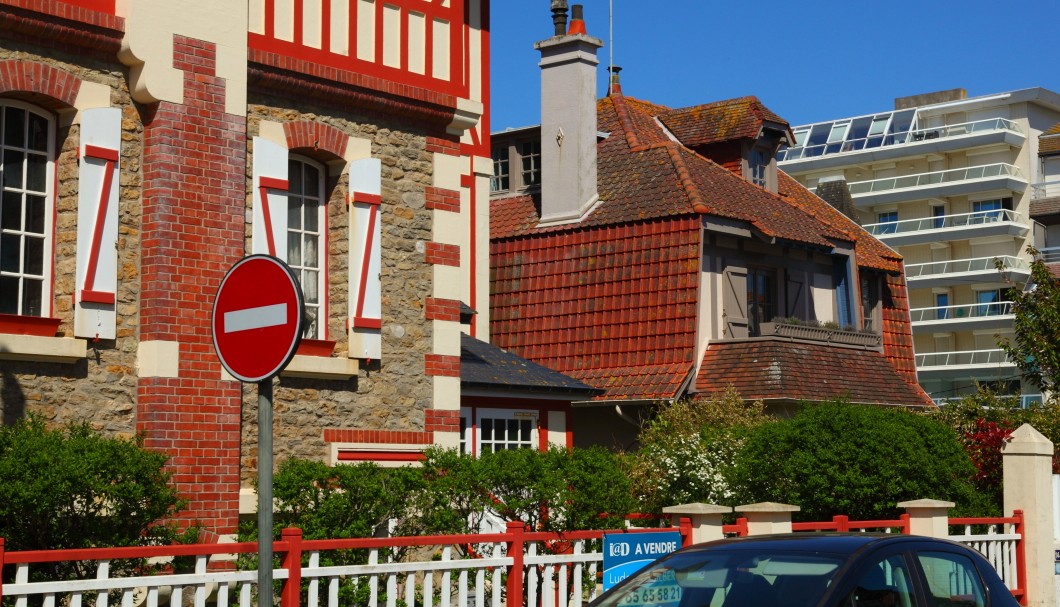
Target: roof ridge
622, 113
685, 176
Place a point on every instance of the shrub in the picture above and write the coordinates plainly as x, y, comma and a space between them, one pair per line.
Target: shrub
857, 460
71, 487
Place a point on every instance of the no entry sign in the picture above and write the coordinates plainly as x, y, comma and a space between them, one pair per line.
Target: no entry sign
257, 318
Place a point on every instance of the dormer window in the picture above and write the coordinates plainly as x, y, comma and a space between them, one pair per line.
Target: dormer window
759, 167
530, 151
500, 182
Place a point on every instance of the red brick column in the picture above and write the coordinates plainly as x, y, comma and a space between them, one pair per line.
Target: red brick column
193, 197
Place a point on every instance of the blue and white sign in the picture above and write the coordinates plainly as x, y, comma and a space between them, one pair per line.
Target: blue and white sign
627, 553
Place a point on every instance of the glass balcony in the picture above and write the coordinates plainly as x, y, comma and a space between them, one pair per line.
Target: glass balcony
1049, 254
849, 144
949, 227
962, 271
994, 315
977, 364
938, 184
1026, 400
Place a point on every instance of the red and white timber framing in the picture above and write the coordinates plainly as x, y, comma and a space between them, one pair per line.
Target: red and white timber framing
97, 224
269, 236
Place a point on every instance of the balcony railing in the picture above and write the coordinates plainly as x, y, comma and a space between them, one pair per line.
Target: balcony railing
943, 222
935, 178
978, 265
1049, 254
884, 140
966, 358
1025, 400
961, 312
1045, 189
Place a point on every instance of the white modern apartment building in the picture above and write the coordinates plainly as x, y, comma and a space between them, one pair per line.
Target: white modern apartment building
947, 180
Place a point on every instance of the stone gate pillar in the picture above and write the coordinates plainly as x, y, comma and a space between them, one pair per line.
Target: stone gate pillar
1028, 479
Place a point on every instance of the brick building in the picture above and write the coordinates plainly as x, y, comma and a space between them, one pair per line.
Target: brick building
149, 145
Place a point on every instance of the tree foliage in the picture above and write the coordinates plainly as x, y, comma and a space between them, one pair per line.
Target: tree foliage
689, 449
73, 488
1036, 346
857, 460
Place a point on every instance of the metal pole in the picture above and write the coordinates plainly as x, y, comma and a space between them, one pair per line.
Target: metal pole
265, 493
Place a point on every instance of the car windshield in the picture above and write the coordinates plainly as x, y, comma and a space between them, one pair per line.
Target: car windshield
727, 578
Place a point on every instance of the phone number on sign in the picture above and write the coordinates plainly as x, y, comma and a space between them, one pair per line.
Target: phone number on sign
653, 595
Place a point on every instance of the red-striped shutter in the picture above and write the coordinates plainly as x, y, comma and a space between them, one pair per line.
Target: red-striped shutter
270, 199
97, 224
365, 259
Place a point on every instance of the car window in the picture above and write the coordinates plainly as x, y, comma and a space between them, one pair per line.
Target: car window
953, 580
883, 584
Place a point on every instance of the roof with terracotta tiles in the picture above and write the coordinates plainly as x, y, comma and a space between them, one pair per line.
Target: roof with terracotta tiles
772, 369
613, 299
1049, 141
727, 120
1044, 207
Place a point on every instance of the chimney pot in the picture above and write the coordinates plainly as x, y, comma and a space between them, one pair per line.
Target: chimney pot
559, 16
577, 21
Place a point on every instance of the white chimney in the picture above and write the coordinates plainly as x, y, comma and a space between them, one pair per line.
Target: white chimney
568, 118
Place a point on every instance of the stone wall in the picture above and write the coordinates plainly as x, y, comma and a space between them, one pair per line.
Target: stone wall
388, 394
101, 389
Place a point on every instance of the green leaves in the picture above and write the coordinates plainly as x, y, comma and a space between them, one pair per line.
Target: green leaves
1036, 348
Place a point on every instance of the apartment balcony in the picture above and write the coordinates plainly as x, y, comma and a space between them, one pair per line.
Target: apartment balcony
891, 147
938, 184
1000, 222
984, 364
964, 271
968, 317
1025, 400
1049, 255
1045, 190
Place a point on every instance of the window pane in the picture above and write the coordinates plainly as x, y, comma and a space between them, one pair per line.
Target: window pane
11, 212
310, 326
294, 249
8, 295
312, 216
34, 261
14, 126
309, 287
38, 133
524, 434
13, 169
31, 297
10, 248
312, 180
294, 213
487, 427
36, 172
310, 254
294, 177
35, 211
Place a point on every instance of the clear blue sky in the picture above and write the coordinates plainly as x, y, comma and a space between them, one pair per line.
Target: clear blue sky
807, 60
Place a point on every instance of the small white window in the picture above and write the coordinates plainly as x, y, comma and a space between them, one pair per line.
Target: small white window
26, 173
306, 240
498, 430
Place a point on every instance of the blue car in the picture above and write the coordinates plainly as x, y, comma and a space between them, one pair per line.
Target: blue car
816, 570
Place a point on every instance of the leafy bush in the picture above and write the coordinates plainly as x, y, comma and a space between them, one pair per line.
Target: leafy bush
74, 488
858, 460
688, 451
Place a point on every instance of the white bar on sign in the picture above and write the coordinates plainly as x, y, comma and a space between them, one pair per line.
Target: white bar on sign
255, 318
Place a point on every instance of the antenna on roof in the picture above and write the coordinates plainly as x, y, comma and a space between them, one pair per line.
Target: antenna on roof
610, 38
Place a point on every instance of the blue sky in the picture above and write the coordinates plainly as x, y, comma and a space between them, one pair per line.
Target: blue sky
807, 60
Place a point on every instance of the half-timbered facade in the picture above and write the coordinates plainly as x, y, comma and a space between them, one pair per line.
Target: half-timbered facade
148, 145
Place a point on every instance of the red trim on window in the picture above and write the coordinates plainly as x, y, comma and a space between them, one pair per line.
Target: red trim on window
316, 347
110, 157
38, 326
265, 184
100, 297
380, 456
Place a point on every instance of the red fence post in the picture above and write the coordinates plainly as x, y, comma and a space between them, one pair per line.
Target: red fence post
685, 527
291, 594
515, 573
1021, 556
842, 522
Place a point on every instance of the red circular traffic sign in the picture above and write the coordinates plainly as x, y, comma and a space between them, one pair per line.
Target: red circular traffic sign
257, 318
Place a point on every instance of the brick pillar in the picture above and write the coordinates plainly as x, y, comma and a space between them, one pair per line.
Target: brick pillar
193, 226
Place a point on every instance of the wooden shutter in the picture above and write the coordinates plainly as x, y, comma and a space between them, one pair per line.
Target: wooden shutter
97, 224
365, 259
734, 301
269, 234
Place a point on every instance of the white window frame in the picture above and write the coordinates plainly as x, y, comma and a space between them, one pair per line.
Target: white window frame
320, 306
47, 271
471, 440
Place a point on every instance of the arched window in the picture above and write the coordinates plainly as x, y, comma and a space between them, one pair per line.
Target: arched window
307, 239
26, 174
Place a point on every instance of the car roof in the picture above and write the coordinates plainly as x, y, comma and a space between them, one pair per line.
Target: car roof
835, 543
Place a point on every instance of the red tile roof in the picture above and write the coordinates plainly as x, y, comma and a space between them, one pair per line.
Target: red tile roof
778, 369
613, 299
609, 306
720, 121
